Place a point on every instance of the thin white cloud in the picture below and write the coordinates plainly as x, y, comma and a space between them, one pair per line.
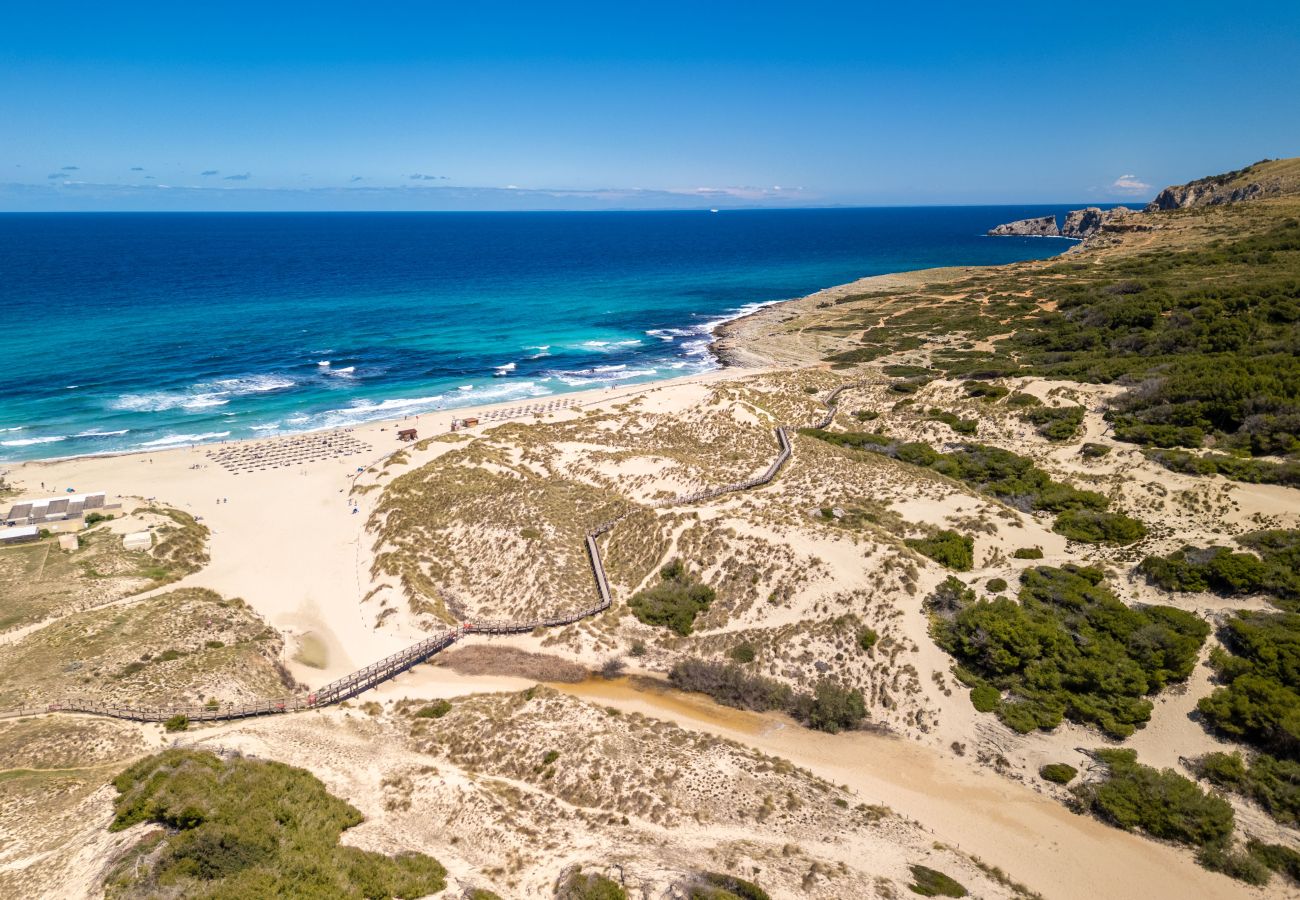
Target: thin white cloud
1130, 184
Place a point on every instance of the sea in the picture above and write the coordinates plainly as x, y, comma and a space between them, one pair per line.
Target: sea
138, 331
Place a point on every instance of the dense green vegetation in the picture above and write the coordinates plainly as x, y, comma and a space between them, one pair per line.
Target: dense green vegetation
246, 828
1272, 783
1211, 333
1162, 803
1028, 553
1094, 451
675, 601
932, 883
947, 548
1068, 649
1275, 571
1056, 423
830, 707
1252, 471
1259, 702
1011, 478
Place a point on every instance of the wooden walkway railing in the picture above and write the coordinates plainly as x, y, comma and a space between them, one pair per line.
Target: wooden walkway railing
362, 680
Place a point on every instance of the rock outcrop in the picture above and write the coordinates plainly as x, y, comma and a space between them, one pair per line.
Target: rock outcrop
1084, 223
1043, 226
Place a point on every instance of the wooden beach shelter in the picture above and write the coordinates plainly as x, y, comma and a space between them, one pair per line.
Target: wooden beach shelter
406, 434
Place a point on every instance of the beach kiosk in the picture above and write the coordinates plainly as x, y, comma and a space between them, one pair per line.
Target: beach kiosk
406, 434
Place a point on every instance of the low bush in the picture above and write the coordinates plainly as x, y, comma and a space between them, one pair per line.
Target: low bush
1022, 400
435, 710
947, 548
580, 886
867, 638
1271, 782
743, 653
674, 602
1251, 471
986, 391
866, 415
1058, 773
1215, 569
1277, 857
1239, 864
955, 422
1094, 451
717, 886
932, 883
1161, 803
995, 585
177, 723
1056, 423
1028, 553
1094, 526
829, 707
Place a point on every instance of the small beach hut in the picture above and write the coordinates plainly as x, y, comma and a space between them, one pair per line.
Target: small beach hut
406, 434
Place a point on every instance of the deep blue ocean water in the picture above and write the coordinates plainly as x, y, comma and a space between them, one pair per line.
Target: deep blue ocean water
138, 331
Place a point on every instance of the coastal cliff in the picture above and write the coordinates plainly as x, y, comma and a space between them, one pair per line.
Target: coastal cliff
1043, 226
1266, 178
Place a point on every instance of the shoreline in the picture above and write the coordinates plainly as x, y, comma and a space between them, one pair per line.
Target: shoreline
715, 363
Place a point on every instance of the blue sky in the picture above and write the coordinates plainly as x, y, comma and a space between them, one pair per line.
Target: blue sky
602, 105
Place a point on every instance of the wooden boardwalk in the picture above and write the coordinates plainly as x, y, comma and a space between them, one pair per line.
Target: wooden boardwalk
362, 680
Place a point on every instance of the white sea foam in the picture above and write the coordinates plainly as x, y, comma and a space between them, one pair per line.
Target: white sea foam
203, 395
173, 439
542, 350
323, 362
609, 346
601, 374
15, 428
273, 426
28, 442
343, 372
85, 434
506, 369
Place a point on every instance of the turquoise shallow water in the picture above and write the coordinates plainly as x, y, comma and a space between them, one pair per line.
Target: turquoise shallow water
126, 332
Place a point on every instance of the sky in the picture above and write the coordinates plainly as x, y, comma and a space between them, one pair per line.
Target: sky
495, 105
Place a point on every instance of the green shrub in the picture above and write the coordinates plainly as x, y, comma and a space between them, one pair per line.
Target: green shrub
1099, 527
1277, 857
1094, 451
481, 894
995, 585
1028, 553
830, 707
95, 518
579, 886
1022, 400
985, 697
1271, 782
866, 415
1068, 649
1239, 864
674, 602
955, 422
867, 638
1162, 803
730, 685
986, 391
1056, 423
1215, 569
948, 548
177, 723
249, 828
932, 883
1260, 700
717, 886
435, 710
1058, 773
743, 652
550, 756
